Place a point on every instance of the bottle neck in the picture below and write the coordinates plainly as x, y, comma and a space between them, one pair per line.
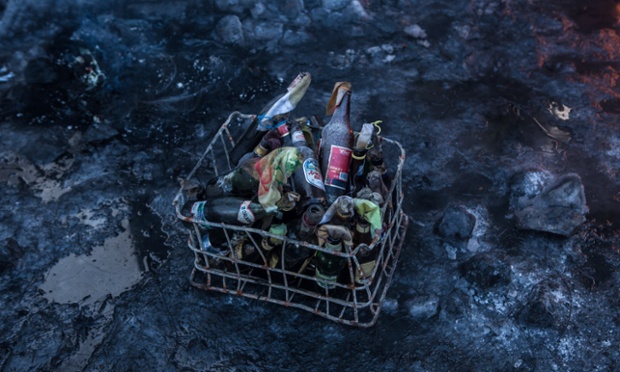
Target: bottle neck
362, 227
335, 245
342, 112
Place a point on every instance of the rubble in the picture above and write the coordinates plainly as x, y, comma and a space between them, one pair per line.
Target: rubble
463, 108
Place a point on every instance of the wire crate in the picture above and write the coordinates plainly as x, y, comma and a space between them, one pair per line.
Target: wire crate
349, 302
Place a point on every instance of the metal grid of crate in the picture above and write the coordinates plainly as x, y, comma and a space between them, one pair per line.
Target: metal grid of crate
348, 303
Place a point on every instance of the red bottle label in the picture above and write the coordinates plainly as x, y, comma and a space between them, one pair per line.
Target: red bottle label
337, 174
245, 215
283, 130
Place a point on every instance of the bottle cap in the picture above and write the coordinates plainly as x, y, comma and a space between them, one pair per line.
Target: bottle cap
334, 244
283, 130
260, 150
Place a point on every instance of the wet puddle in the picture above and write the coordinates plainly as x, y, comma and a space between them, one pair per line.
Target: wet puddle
110, 269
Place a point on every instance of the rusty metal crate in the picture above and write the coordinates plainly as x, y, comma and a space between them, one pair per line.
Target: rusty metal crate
356, 305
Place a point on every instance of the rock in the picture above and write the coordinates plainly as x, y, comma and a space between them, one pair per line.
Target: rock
268, 30
423, 307
292, 38
291, 8
486, 270
335, 5
258, 10
548, 305
415, 31
526, 185
234, 6
229, 30
100, 132
559, 208
311, 4
10, 252
456, 223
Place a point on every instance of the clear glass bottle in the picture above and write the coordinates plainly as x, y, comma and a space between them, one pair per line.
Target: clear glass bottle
274, 113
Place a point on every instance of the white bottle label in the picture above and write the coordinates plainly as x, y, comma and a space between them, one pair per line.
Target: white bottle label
298, 136
313, 176
245, 215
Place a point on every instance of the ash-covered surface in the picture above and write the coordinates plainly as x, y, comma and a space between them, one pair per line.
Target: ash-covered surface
508, 111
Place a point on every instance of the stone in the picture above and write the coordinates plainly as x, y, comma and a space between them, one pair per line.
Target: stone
291, 8
456, 223
424, 307
312, 4
558, 209
547, 305
486, 270
229, 29
335, 5
292, 38
234, 6
258, 10
415, 31
268, 30
526, 185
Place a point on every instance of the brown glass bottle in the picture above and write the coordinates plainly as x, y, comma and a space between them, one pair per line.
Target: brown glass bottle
295, 255
358, 159
335, 150
307, 179
270, 141
366, 257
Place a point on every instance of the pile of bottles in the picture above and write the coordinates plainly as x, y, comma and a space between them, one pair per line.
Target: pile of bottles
326, 185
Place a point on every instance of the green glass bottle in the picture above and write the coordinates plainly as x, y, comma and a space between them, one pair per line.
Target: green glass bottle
240, 181
328, 265
229, 210
270, 244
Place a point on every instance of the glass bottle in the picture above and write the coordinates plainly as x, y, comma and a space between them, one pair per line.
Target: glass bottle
366, 257
335, 148
295, 255
307, 179
328, 265
270, 141
270, 244
375, 156
358, 159
230, 210
340, 212
275, 112
240, 181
